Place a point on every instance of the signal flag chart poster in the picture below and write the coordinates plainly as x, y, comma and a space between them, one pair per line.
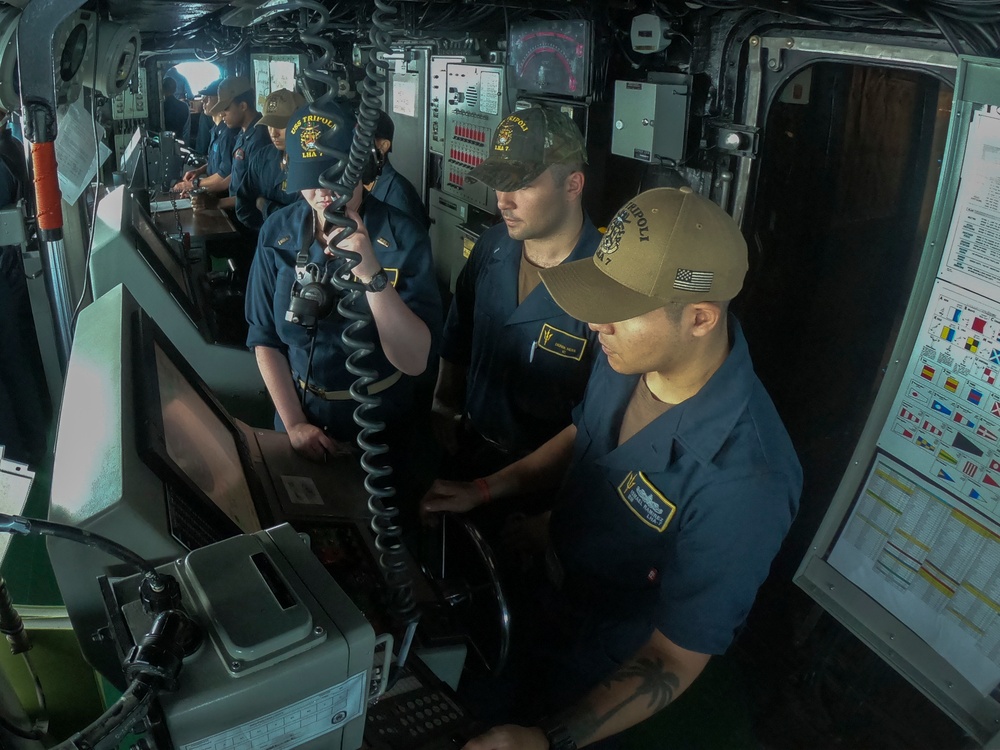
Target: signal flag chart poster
923, 535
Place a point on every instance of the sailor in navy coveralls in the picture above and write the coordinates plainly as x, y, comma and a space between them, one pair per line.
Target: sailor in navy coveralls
310, 388
263, 190
388, 185
513, 364
678, 482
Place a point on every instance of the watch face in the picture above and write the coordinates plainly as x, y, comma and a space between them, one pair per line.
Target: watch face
379, 281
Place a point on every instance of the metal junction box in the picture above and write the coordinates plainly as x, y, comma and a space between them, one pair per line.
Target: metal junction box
650, 120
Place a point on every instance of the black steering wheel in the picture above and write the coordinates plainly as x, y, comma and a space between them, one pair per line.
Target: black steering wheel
466, 574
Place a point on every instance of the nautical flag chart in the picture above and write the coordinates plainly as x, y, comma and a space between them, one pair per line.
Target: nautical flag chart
945, 421
923, 535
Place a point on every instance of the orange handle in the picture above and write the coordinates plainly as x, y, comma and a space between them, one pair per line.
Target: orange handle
47, 195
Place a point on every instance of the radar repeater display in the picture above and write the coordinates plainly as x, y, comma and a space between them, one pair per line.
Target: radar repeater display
551, 58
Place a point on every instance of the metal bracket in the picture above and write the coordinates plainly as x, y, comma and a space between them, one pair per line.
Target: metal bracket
12, 226
733, 138
776, 52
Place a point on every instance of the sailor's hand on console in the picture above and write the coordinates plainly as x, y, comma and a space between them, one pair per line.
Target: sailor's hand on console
204, 201
183, 187
455, 497
310, 441
509, 737
191, 174
360, 243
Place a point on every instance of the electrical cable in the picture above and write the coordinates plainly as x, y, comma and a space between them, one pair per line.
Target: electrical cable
97, 192
153, 666
26, 734
42, 716
24, 525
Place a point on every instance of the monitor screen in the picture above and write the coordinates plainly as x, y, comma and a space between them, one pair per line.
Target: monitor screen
551, 57
201, 444
162, 258
189, 440
145, 456
132, 154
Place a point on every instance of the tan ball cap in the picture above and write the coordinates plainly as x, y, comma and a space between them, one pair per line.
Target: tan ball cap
665, 245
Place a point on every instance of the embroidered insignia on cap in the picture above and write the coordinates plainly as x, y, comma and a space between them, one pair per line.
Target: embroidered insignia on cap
505, 134
613, 237
693, 281
309, 135
617, 228
272, 105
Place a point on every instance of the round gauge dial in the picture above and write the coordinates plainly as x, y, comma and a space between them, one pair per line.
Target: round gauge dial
553, 58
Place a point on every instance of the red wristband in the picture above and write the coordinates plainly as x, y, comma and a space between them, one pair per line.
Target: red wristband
484, 489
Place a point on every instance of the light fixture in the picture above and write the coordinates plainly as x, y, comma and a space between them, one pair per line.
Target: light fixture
113, 59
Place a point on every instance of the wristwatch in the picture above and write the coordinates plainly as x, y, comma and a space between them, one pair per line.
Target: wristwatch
378, 282
557, 734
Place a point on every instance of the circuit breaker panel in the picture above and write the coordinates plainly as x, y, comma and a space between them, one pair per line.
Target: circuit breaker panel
129, 110
475, 106
438, 97
131, 103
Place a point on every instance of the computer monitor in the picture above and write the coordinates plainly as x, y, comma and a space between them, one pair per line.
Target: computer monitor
144, 455
133, 162
167, 262
186, 437
551, 57
147, 456
129, 248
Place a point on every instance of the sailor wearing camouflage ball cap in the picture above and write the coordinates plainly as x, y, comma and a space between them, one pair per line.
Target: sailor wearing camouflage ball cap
513, 365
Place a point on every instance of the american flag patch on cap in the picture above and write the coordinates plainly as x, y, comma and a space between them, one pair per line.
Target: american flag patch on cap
693, 281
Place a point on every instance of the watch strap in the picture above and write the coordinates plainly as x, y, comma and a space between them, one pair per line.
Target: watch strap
558, 735
378, 281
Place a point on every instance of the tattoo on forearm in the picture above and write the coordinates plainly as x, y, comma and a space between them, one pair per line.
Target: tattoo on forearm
655, 683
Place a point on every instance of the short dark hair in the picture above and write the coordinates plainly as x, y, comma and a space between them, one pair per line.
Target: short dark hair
169, 86
561, 172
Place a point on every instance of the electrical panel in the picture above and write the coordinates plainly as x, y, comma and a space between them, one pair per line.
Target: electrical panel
131, 103
447, 216
438, 96
406, 104
650, 120
475, 106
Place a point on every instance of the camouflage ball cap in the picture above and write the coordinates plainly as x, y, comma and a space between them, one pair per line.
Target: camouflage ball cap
665, 245
526, 144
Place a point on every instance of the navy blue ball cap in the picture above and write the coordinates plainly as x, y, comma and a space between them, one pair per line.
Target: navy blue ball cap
305, 161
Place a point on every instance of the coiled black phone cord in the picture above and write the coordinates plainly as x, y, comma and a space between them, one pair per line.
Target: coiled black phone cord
341, 179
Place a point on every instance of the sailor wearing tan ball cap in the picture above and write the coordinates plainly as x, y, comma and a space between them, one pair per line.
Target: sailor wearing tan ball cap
677, 480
